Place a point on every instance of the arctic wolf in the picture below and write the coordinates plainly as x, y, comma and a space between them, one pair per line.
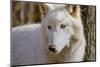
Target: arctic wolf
59, 38
64, 33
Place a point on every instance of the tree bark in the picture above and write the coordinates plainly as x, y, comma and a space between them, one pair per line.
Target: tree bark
89, 22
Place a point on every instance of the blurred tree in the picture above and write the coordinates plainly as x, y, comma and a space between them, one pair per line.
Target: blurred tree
89, 21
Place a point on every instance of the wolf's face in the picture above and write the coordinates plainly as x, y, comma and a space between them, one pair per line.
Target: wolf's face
59, 35
58, 28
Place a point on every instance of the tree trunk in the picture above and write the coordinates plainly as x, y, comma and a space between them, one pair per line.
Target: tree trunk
89, 22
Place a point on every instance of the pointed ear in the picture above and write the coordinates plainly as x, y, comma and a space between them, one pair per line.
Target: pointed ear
74, 10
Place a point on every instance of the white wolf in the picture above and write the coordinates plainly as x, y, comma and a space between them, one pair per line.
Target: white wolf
59, 38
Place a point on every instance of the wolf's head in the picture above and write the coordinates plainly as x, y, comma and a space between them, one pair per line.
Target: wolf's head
58, 26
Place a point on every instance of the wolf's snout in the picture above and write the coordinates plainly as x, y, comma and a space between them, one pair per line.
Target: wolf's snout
52, 48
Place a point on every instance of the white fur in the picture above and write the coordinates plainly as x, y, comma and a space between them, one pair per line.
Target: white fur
30, 42
54, 6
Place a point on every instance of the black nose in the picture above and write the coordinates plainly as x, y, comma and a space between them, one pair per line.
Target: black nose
52, 48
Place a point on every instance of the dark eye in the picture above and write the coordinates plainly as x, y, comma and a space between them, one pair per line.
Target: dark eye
63, 26
49, 27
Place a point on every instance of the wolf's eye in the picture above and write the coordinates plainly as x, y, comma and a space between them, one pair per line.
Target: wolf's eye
63, 26
49, 27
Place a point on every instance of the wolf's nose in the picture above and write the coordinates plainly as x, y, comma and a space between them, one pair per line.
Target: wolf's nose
52, 48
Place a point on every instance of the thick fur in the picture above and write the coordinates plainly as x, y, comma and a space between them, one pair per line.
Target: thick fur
30, 43
76, 50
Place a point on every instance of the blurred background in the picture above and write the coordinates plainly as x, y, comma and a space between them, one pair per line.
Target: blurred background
27, 12
24, 12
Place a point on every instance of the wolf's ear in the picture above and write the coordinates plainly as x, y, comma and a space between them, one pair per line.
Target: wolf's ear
73, 10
